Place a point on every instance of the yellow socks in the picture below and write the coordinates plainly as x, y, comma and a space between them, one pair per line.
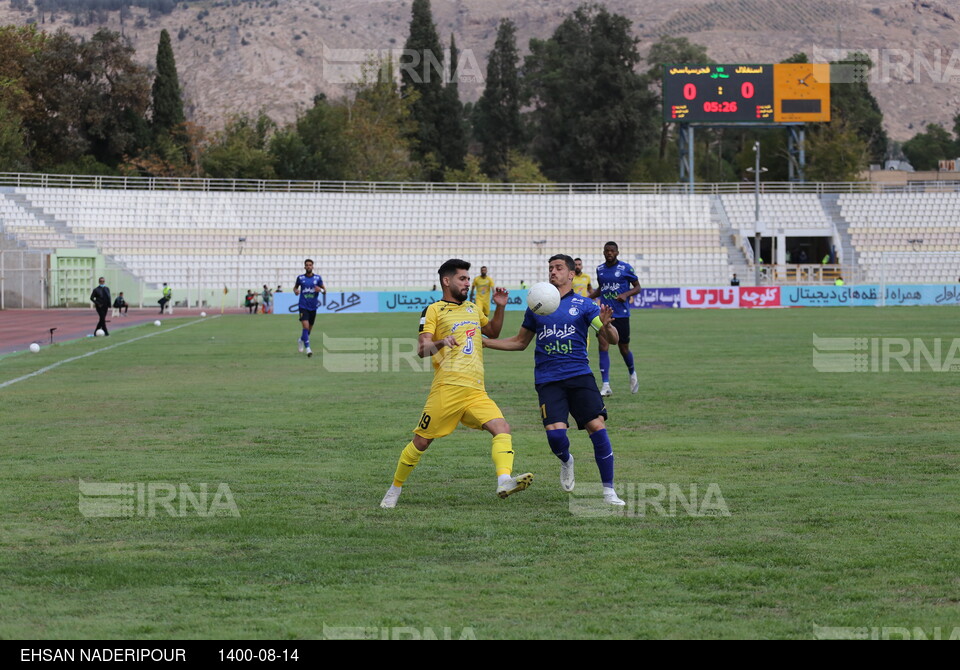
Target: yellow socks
502, 453
408, 461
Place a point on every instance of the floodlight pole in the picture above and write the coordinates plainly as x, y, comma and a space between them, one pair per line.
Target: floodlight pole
756, 215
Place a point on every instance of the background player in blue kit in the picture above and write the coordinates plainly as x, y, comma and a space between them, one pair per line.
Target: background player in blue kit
616, 284
309, 287
564, 382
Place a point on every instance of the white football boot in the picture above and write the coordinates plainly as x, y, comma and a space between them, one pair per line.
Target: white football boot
514, 484
566, 475
610, 497
390, 498
634, 383
605, 390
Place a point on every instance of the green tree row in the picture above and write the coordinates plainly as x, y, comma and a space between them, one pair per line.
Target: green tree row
583, 105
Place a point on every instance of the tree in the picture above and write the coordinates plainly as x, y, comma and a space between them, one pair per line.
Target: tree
925, 150
592, 112
87, 98
315, 147
851, 99
450, 122
379, 127
239, 151
13, 149
421, 71
167, 100
496, 117
836, 152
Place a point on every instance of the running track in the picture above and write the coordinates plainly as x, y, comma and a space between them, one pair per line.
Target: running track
20, 327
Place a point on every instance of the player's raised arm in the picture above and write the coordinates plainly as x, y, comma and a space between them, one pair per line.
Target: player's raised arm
604, 324
495, 325
518, 342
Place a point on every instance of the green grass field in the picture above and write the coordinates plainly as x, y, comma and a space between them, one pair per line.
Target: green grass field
843, 489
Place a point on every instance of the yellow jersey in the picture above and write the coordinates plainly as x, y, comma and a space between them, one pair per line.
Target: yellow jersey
483, 286
580, 284
461, 365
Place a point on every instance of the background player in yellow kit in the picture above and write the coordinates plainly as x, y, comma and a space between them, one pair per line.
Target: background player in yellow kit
581, 280
483, 285
451, 331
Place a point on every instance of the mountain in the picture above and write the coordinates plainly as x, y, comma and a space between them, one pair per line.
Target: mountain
244, 55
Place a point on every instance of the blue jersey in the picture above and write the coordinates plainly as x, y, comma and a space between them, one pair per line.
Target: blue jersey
613, 281
309, 291
561, 337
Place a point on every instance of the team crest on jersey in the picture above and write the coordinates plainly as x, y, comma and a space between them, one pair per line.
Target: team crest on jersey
617, 273
574, 311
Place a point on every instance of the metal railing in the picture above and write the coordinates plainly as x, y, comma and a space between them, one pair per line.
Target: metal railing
27, 180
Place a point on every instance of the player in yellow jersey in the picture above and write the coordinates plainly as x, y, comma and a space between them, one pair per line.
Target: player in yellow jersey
483, 285
581, 280
451, 331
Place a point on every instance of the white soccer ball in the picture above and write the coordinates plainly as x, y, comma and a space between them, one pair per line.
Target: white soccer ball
35, 348
99, 332
156, 323
203, 314
543, 298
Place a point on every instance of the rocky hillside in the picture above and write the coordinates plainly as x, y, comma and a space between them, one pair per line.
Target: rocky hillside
244, 55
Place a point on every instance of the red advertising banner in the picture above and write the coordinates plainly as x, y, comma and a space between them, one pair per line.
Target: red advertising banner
764, 296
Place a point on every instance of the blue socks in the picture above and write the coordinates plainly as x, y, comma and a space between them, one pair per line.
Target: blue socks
605, 366
559, 443
305, 337
603, 452
628, 359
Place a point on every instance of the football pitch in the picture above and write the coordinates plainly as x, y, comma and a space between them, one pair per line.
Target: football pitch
766, 499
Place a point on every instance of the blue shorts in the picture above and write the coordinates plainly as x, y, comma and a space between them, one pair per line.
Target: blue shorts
308, 315
577, 396
622, 324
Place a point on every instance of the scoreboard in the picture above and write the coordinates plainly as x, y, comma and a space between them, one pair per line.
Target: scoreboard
781, 93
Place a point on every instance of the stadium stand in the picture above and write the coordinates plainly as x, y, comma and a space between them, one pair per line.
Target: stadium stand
905, 237
382, 240
778, 210
382, 236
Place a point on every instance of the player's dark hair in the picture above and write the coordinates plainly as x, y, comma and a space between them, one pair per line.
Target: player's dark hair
451, 266
578, 259
309, 260
612, 244
566, 259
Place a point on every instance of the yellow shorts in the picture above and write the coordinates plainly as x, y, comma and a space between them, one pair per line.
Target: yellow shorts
484, 306
448, 405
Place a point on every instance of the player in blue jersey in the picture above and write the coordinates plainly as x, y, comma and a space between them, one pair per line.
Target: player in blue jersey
616, 284
564, 382
309, 287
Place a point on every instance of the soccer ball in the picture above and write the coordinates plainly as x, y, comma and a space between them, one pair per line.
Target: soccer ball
35, 348
156, 323
99, 332
203, 314
543, 298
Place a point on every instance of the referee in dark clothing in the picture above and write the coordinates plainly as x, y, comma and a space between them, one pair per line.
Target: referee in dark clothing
101, 299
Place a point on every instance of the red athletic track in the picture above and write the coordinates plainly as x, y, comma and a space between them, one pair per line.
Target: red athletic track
20, 327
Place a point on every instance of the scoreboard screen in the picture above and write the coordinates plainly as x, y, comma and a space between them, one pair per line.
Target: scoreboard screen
718, 93
746, 93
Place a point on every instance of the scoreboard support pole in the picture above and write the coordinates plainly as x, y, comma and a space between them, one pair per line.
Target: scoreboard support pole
686, 146
796, 149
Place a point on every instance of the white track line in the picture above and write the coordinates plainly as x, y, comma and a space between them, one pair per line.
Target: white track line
91, 353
